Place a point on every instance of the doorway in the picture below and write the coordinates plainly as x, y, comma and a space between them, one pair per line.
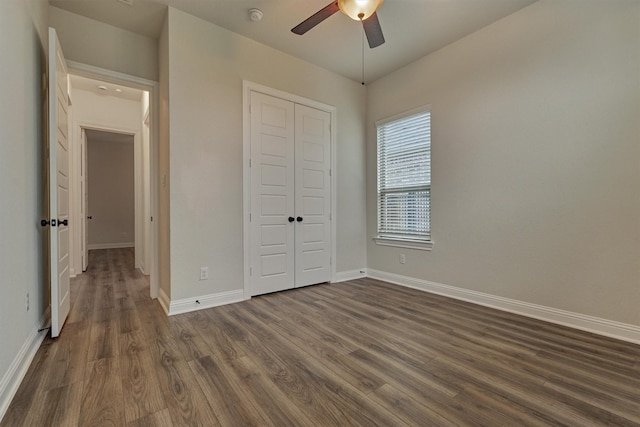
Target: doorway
109, 193
110, 108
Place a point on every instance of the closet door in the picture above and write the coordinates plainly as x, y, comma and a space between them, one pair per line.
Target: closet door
312, 196
272, 194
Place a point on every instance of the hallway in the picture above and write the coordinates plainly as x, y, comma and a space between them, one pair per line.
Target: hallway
76, 379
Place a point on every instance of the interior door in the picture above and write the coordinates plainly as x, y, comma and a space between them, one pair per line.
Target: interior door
84, 201
272, 194
312, 195
58, 185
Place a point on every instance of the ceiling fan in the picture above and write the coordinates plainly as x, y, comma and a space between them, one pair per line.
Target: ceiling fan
359, 10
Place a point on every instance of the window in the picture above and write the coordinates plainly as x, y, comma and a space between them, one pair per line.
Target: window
404, 180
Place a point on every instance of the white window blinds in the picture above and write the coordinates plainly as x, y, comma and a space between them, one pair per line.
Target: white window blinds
404, 177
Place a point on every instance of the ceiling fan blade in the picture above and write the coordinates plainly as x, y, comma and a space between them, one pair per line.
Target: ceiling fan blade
373, 31
316, 18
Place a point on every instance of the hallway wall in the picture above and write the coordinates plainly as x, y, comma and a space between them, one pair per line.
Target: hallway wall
95, 43
110, 170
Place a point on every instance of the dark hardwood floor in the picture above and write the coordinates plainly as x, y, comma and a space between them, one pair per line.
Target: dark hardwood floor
356, 353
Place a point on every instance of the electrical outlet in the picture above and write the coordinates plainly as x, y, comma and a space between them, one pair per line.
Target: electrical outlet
26, 301
204, 273
403, 259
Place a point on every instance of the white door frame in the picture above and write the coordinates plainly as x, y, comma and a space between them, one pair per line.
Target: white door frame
150, 86
247, 88
84, 201
78, 127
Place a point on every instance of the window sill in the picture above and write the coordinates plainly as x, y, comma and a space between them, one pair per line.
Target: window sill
423, 245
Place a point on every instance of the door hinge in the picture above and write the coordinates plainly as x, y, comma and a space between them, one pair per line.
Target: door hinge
250, 271
249, 162
151, 219
249, 216
330, 216
329, 171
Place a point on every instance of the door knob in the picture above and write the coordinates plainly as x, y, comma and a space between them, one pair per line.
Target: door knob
63, 222
299, 219
291, 219
89, 217
44, 222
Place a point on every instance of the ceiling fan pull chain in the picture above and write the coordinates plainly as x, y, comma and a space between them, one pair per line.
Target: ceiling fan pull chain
362, 56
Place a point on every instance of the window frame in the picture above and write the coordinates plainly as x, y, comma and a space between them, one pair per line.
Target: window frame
410, 241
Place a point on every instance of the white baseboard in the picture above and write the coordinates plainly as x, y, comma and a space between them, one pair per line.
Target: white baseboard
204, 301
10, 382
93, 246
343, 276
164, 301
596, 325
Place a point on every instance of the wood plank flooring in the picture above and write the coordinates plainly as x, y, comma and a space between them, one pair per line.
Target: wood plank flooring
362, 352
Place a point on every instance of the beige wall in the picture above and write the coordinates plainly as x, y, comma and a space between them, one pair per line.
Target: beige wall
95, 43
110, 171
207, 65
536, 159
23, 253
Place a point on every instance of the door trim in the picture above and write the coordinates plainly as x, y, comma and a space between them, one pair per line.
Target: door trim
247, 88
90, 71
78, 127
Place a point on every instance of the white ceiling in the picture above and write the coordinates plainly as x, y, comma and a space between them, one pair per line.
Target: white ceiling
412, 28
108, 137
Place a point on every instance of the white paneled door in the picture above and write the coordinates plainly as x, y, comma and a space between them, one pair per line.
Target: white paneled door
272, 194
290, 195
312, 195
58, 185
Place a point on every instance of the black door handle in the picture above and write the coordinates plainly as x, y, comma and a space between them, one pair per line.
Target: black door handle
299, 219
89, 217
63, 222
44, 222
291, 219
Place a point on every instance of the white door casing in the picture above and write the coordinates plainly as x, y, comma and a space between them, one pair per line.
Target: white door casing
312, 195
290, 200
272, 194
58, 186
84, 201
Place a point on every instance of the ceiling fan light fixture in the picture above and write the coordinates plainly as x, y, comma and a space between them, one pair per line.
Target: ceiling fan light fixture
359, 10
